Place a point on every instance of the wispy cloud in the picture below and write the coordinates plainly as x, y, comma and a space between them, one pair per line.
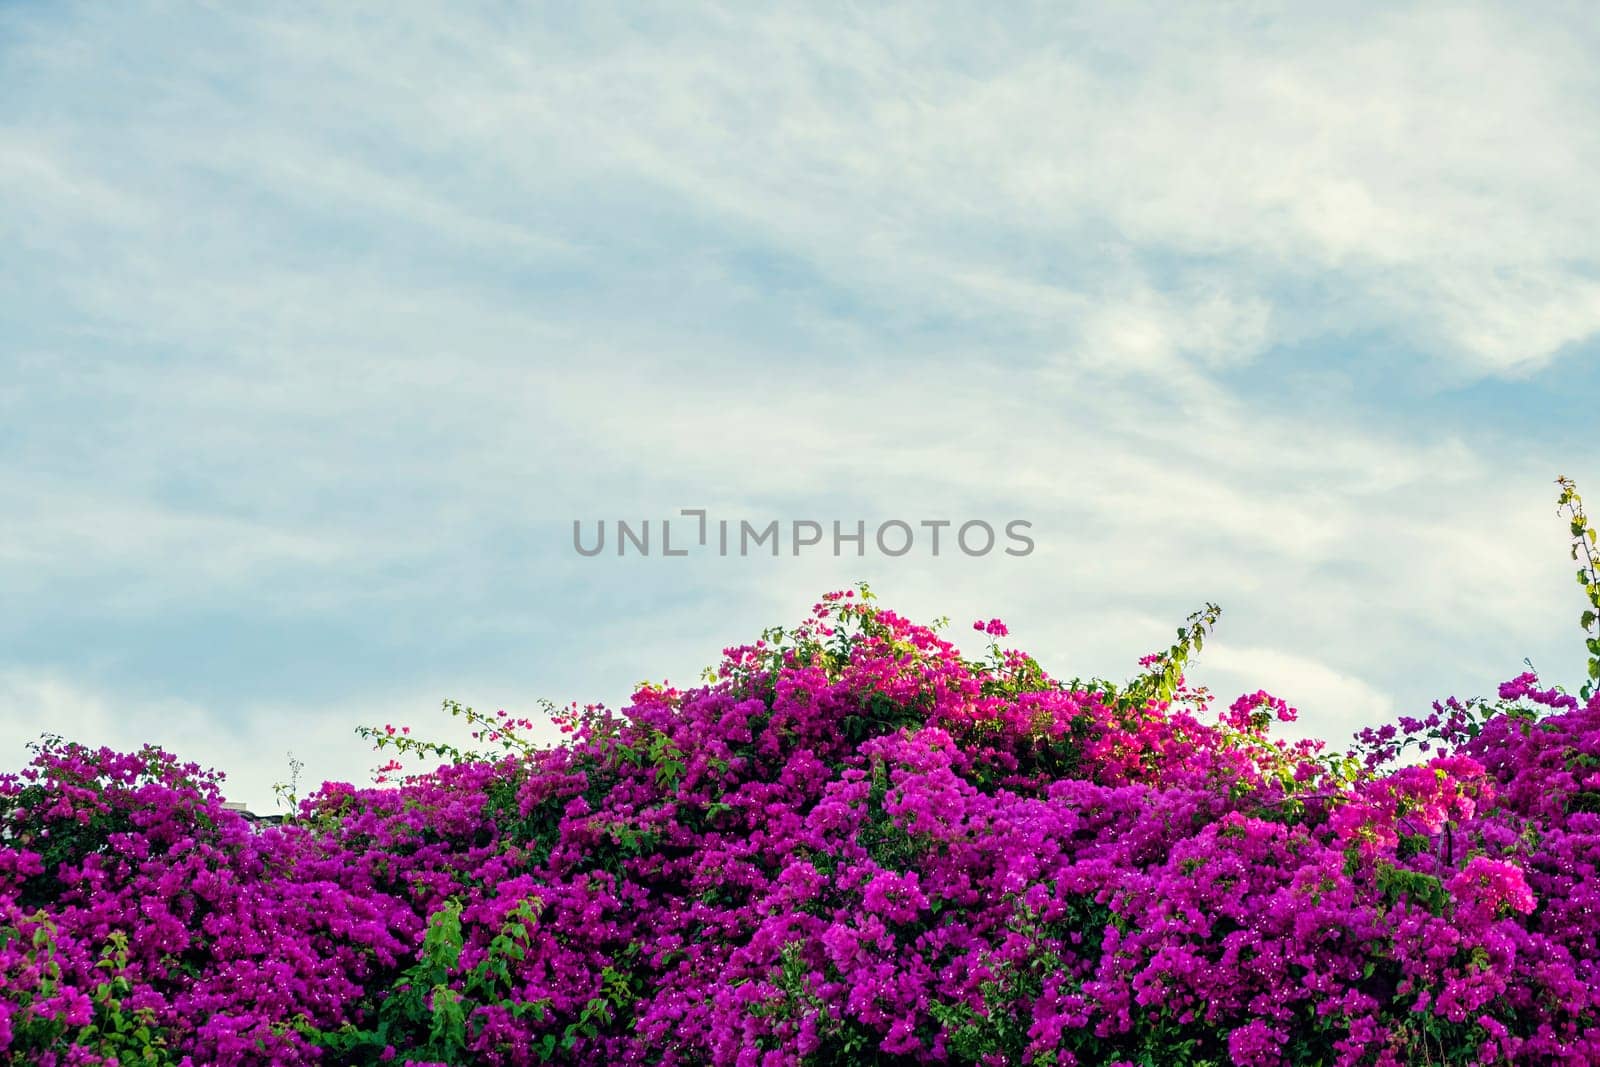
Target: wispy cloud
317, 328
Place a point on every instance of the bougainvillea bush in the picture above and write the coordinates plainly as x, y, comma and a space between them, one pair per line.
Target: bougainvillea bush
852, 845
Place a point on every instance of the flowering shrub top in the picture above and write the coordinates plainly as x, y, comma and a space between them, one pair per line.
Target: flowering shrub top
849, 846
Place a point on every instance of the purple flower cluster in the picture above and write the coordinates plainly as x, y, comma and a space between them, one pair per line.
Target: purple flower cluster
851, 846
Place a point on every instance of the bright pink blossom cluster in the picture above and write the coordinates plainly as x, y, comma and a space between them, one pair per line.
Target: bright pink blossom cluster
854, 846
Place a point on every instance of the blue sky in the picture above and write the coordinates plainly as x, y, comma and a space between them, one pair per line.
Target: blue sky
319, 326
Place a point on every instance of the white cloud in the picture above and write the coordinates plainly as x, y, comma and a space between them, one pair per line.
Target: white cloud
334, 308
1427, 168
1416, 158
35, 173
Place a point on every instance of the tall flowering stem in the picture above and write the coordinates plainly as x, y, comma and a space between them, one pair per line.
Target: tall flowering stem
1586, 551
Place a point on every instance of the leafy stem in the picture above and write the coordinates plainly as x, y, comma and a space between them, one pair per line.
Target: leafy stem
1586, 554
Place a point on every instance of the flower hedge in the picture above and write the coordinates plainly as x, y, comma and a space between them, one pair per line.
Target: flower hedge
851, 845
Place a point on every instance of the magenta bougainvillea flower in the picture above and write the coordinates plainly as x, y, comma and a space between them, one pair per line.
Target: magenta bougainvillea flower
851, 845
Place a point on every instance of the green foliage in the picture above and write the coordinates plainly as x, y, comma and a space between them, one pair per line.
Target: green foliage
288, 793
1423, 890
429, 1015
129, 1038
1164, 675
1162, 679
652, 748
1586, 552
383, 738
